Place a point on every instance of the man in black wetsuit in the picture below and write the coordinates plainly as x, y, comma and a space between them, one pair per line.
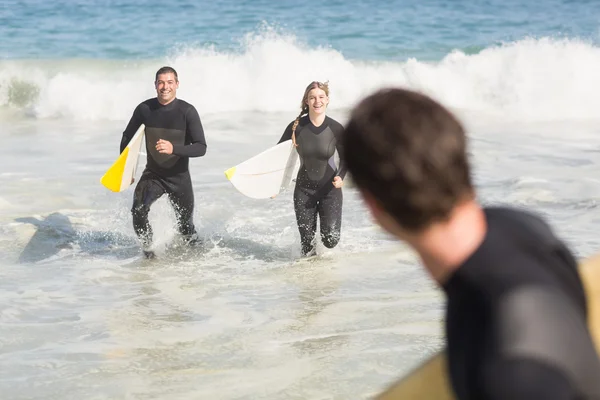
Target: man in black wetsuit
319, 181
516, 317
174, 133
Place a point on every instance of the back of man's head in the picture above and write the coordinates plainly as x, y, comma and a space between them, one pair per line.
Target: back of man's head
409, 153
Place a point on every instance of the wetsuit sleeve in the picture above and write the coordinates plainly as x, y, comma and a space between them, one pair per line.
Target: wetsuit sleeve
195, 132
338, 130
132, 127
287, 135
527, 379
543, 346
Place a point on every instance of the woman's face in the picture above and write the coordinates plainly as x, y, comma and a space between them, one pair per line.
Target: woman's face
317, 101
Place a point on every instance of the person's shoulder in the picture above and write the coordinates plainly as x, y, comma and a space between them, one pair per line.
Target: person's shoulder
184, 105
511, 211
519, 240
334, 125
148, 103
143, 109
520, 218
302, 121
513, 234
290, 125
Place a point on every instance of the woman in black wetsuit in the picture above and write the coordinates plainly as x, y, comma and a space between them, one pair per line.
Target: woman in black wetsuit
319, 182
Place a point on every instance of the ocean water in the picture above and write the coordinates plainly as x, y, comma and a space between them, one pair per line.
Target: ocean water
83, 316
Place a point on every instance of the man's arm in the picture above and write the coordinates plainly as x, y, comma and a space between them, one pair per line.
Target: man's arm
194, 130
527, 379
132, 127
543, 348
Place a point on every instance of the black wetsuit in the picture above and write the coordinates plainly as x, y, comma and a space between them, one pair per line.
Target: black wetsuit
516, 317
314, 193
179, 123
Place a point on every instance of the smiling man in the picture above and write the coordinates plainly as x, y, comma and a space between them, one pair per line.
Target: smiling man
174, 133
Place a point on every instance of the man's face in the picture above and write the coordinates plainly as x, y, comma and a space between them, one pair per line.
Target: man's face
166, 87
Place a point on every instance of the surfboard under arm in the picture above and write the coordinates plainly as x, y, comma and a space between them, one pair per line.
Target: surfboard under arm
119, 176
291, 168
429, 381
265, 174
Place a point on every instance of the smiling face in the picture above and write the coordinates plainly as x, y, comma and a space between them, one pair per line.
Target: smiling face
317, 101
166, 87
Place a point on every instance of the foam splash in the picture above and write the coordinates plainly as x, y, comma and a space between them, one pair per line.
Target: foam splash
540, 79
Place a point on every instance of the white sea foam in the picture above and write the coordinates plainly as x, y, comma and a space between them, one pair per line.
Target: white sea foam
540, 79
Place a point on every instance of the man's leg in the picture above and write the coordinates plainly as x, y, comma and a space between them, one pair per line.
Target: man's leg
182, 200
147, 191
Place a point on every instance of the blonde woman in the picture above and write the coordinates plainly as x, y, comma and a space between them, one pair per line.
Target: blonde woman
319, 182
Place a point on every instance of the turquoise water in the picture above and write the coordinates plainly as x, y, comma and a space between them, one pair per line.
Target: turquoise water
373, 30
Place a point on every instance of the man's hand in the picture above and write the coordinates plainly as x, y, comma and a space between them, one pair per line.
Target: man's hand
164, 147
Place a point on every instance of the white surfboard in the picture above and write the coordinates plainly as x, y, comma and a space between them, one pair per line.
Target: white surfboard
266, 174
119, 176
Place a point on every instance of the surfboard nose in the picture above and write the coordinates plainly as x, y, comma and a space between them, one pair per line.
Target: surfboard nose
230, 172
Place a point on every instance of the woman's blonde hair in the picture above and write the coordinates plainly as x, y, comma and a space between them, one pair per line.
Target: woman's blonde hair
324, 86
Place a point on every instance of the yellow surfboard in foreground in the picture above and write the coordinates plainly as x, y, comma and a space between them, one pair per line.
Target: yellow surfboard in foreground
430, 380
120, 175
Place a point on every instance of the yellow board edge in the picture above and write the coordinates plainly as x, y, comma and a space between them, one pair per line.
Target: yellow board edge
114, 176
230, 172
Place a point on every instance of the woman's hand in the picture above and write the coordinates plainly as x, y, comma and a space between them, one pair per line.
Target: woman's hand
338, 182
